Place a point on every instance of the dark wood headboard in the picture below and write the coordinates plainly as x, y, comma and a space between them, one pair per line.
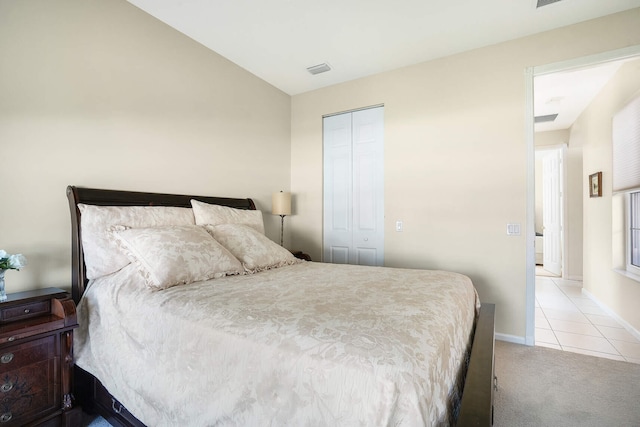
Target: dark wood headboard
93, 196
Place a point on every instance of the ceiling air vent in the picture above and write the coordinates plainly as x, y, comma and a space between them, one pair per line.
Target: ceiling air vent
320, 68
545, 119
542, 3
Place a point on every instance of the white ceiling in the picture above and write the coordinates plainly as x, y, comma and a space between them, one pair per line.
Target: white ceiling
568, 93
278, 39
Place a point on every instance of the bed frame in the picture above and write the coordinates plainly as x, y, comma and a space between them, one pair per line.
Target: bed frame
477, 399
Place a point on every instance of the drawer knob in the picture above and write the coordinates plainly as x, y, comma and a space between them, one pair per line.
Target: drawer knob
11, 339
6, 387
6, 358
113, 406
6, 417
27, 311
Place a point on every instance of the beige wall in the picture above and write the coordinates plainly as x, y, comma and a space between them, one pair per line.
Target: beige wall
574, 204
603, 245
573, 197
100, 94
455, 157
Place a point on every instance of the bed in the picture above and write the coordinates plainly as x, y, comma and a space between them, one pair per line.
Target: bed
261, 338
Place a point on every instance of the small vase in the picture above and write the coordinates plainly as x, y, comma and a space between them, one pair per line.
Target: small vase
3, 294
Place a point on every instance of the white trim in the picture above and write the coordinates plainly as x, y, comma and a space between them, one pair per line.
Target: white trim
511, 338
353, 110
565, 204
588, 61
627, 274
632, 271
530, 72
530, 306
633, 331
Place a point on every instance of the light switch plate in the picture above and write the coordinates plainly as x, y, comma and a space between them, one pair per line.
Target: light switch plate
513, 229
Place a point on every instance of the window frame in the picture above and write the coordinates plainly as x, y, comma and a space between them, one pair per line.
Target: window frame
631, 268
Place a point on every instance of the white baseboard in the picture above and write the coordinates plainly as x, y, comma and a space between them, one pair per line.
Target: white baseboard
633, 331
511, 338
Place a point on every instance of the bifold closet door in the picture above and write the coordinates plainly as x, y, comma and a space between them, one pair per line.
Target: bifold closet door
354, 187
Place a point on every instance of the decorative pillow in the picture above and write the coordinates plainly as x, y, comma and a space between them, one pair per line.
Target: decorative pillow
255, 250
169, 256
206, 213
101, 254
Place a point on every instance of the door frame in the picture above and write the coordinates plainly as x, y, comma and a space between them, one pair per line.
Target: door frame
529, 74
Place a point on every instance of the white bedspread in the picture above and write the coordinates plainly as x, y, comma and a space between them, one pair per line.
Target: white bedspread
310, 344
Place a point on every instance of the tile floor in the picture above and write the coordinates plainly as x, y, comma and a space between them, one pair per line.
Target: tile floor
570, 321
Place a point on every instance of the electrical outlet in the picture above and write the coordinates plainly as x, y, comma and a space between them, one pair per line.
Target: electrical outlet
398, 226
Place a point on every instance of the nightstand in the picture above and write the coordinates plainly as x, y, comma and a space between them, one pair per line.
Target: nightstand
301, 255
36, 359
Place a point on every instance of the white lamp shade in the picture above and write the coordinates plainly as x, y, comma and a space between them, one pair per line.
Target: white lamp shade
281, 203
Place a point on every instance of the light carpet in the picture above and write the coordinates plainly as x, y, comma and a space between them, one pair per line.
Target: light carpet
94, 421
539, 386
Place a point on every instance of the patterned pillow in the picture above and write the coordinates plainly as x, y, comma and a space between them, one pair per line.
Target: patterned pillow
170, 256
255, 250
206, 213
101, 254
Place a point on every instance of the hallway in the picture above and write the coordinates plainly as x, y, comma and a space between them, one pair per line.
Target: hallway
570, 321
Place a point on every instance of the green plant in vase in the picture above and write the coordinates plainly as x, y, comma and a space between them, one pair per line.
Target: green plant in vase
9, 262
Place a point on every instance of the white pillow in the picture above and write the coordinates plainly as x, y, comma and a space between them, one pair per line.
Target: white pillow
255, 250
170, 256
206, 213
101, 254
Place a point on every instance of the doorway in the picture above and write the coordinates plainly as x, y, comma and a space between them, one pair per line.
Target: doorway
531, 73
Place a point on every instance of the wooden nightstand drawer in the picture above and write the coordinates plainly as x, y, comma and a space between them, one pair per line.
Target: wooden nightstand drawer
19, 355
28, 392
25, 311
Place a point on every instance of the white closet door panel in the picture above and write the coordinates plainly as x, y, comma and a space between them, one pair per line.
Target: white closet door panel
339, 254
340, 174
338, 183
366, 256
368, 189
364, 194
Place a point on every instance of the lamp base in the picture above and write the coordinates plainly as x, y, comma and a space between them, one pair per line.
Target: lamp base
282, 230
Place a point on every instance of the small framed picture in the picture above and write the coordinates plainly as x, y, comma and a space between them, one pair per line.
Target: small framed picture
595, 184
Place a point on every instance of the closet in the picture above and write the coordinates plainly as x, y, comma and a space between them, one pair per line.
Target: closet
353, 225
